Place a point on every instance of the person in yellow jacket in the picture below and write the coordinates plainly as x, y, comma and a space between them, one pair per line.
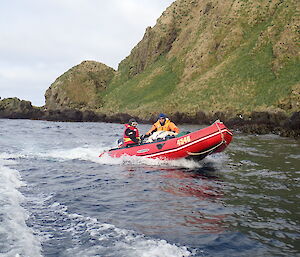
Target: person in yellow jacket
163, 124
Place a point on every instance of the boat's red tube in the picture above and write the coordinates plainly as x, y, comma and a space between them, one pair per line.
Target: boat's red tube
202, 142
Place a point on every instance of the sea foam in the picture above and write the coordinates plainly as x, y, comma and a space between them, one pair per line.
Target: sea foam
92, 154
110, 240
16, 238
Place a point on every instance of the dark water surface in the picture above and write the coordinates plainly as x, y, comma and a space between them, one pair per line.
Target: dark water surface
58, 198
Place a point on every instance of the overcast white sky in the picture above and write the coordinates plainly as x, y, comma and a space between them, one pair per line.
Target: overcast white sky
41, 39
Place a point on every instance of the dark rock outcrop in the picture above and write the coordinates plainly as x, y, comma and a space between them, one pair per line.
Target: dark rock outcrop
254, 123
73, 115
293, 122
264, 122
14, 108
198, 118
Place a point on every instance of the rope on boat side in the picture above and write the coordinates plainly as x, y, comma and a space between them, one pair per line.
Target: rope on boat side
206, 151
222, 136
210, 150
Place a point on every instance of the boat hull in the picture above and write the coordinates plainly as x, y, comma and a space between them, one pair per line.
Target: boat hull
195, 145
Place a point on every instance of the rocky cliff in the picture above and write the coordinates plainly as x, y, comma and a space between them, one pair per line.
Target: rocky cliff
202, 55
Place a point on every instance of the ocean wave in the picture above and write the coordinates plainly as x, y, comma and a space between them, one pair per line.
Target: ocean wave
108, 240
16, 238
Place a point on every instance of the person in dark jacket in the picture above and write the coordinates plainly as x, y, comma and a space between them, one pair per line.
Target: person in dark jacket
131, 134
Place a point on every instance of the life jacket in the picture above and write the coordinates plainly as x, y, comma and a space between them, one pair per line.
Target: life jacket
127, 139
168, 126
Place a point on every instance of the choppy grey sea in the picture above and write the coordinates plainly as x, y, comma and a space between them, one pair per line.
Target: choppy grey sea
58, 198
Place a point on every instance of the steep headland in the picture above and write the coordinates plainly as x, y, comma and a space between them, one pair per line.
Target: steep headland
229, 56
204, 59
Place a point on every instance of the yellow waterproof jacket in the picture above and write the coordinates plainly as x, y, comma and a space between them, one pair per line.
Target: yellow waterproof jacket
168, 126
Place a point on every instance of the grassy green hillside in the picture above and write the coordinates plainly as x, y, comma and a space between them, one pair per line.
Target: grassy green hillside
237, 56
230, 56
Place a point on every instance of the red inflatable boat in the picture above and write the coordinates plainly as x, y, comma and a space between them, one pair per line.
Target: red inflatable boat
191, 145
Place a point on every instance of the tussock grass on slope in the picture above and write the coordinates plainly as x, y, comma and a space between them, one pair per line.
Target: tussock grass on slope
152, 86
250, 71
